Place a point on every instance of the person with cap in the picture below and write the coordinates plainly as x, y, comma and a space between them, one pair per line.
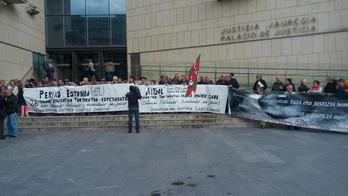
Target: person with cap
2, 116
11, 108
133, 108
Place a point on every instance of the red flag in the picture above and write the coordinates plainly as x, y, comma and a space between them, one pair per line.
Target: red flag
192, 77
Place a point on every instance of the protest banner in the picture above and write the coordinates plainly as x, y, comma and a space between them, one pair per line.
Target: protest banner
308, 110
110, 98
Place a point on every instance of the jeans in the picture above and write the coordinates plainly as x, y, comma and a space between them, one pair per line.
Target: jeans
12, 124
133, 111
109, 76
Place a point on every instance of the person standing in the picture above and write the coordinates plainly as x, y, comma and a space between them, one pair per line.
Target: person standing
24, 109
303, 88
316, 88
115, 80
289, 90
221, 80
288, 82
133, 108
50, 71
131, 80
144, 81
235, 83
331, 85
278, 85
109, 68
14, 87
260, 85
11, 106
231, 81
2, 116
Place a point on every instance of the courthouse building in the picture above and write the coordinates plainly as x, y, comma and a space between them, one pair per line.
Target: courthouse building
80, 30
22, 38
292, 38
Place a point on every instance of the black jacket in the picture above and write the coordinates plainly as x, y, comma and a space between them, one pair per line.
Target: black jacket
330, 87
21, 99
11, 104
303, 88
278, 87
133, 98
2, 107
262, 82
233, 83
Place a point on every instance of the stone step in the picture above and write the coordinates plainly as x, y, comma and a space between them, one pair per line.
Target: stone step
124, 121
119, 117
120, 122
149, 126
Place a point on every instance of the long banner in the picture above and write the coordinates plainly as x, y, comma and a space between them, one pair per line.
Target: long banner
109, 98
306, 110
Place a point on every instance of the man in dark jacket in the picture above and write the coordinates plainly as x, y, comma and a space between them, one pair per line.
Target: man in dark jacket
11, 106
260, 85
331, 85
234, 81
133, 108
303, 88
278, 85
2, 116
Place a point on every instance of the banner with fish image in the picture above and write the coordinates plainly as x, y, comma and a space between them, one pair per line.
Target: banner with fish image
307, 110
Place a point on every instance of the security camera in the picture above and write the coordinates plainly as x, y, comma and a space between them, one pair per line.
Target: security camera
32, 10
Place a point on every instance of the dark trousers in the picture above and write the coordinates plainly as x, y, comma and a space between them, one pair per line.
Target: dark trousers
133, 111
1, 127
109, 76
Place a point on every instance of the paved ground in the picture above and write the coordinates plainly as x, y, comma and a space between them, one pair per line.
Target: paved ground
187, 162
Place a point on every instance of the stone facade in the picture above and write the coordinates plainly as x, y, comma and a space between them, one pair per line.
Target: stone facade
293, 38
20, 35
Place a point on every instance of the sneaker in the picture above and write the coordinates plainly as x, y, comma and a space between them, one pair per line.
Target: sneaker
129, 131
138, 131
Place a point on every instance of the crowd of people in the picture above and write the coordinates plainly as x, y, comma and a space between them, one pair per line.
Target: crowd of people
12, 100
338, 87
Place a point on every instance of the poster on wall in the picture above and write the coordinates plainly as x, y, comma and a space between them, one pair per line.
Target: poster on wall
308, 110
110, 98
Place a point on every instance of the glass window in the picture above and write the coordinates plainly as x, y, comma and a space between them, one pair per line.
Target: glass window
119, 30
75, 7
97, 6
54, 31
117, 6
98, 30
54, 7
38, 60
75, 30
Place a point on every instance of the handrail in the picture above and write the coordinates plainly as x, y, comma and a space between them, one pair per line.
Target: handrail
27, 73
246, 74
265, 68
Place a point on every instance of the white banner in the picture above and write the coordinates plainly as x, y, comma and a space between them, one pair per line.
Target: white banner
109, 98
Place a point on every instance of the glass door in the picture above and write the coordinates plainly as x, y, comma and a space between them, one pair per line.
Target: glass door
83, 66
63, 62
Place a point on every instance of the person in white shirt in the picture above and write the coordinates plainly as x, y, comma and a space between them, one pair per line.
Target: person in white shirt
289, 90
